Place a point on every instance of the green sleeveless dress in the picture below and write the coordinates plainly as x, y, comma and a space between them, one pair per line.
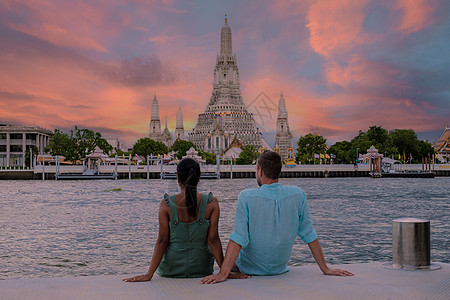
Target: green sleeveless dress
188, 253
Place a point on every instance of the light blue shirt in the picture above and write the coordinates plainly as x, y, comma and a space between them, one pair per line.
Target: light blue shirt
267, 221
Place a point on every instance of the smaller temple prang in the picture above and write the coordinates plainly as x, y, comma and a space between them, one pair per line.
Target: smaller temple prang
179, 128
283, 137
166, 137
155, 123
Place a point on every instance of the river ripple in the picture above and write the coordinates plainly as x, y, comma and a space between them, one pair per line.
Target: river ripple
81, 228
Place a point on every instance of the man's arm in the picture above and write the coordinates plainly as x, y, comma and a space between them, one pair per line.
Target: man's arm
317, 253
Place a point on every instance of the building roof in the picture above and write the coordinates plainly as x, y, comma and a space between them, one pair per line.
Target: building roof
20, 129
443, 143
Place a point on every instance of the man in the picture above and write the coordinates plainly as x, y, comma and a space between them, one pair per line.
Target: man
267, 221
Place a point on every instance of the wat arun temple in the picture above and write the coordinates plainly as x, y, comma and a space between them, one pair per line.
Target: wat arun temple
226, 121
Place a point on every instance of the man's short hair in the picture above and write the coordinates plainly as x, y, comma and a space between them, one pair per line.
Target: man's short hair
270, 163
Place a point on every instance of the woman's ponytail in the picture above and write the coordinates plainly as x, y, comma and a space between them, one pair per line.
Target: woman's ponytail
191, 193
188, 171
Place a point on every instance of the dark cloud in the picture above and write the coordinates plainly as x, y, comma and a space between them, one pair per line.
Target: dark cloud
29, 102
141, 72
81, 107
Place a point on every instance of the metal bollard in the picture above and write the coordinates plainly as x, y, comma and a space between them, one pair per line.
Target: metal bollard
411, 245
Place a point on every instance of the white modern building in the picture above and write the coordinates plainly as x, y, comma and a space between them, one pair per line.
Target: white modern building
16, 141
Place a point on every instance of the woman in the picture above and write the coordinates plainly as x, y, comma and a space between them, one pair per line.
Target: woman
188, 224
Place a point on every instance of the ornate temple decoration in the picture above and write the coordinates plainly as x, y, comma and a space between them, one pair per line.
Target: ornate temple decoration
225, 117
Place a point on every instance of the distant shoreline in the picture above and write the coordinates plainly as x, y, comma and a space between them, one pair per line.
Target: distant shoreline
238, 171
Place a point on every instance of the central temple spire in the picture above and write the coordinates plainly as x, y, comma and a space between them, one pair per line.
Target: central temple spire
226, 117
225, 39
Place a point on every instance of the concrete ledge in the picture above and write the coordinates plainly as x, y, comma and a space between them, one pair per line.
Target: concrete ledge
371, 281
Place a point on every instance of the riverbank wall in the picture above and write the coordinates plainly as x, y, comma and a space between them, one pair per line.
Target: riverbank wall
226, 171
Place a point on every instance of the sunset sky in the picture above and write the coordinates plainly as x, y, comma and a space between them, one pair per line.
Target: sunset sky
342, 65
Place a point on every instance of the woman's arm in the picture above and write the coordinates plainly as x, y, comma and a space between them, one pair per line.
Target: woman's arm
161, 244
213, 232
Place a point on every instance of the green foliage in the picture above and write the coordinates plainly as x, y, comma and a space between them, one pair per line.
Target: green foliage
376, 136
401, 142
86, 140
343, 152
120, 153
309, 145
78, 145
60, 144
248, 156
210, 158
147, 146
180, 147
406, 141
424, 149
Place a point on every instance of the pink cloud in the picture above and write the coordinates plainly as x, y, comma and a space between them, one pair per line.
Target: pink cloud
336, 26
415, 15
363, 72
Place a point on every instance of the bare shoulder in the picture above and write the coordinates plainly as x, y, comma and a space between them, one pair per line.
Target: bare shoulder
163, 205
214, 202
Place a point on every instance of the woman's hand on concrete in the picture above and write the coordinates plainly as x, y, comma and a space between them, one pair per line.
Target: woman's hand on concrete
139, 278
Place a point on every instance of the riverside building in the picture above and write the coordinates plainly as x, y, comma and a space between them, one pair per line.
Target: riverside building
225, 117
16, 141
442, 145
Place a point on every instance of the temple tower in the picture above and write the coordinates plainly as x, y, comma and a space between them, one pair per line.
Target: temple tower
155, 123
166, 137
283, 138
226, 116
179, 128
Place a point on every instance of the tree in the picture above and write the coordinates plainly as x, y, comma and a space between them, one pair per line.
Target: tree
147, 146
86, 140
120, 153
61, 144
309, 145
247, 156
180, 147
406, 142
343, 152
210, 158
424, 149
78, 145
376, 136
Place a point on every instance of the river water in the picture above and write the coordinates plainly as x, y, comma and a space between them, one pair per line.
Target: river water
80, 228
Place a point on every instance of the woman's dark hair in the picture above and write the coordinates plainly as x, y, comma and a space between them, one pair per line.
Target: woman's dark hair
188, 171
270, 163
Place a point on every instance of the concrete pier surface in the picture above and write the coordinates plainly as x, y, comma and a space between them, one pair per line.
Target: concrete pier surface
371, 281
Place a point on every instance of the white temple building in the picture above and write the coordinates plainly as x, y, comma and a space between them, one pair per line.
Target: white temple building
225, 117
155, 126
179, 128
155, 123
166, 137
283, 137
